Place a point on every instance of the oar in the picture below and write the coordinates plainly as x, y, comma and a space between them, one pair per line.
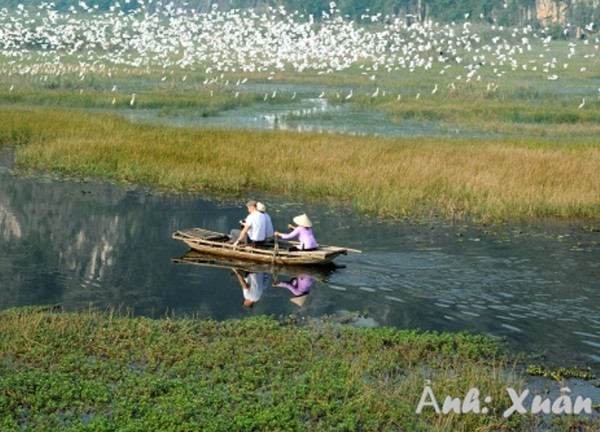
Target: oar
353, 250
275, 250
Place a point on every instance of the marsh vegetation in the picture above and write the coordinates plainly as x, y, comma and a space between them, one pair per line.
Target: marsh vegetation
100, 371
498, 179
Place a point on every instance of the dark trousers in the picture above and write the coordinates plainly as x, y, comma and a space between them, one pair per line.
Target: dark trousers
295, 249
234, 234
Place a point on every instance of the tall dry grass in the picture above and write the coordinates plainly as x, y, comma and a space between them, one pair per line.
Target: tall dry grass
508, 178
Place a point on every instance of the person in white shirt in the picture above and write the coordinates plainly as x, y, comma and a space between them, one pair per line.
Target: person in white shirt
254, 228
253, 285
270, 231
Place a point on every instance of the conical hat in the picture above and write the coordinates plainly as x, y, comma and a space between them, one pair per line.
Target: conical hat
299, 301
261, 207
303, 220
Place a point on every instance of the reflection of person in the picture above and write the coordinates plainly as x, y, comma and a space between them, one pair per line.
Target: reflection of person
299, 286
304, 233
269, 223
253, 285
254, 226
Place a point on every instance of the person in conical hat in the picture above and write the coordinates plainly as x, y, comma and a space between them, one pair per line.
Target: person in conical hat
303, 231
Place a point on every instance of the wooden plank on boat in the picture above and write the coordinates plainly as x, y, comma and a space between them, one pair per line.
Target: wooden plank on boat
216, 243
203, 234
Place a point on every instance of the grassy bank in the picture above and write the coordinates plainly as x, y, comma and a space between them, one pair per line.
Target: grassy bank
457, 178
95, 371
203, 103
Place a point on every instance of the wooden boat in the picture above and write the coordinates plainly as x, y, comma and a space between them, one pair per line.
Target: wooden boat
320, 272
216, 243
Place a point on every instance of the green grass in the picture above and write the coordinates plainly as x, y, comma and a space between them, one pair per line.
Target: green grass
501, 179
201, 103
101, 371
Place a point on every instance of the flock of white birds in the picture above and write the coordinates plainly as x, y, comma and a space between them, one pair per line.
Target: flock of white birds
217, 45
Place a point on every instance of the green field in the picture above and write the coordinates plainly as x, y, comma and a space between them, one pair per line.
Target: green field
104, 371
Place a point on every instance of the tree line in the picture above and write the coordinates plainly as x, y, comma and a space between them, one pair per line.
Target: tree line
573, 13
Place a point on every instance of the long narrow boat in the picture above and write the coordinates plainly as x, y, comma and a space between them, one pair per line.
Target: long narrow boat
216, 243
319, 272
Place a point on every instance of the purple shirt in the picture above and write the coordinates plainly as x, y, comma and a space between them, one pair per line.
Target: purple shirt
302, 285
305, 237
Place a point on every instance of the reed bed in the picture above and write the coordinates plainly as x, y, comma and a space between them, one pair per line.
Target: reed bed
504, 179
205, 102
107, 371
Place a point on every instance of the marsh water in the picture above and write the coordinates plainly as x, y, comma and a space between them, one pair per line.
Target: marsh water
82, 244
309, 114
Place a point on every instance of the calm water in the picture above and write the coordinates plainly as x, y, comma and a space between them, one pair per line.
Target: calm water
82, 244
302, 115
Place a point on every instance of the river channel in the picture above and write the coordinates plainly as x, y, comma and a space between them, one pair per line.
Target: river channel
86, 244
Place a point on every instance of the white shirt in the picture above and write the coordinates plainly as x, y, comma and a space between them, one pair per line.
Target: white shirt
270, 232
257, 282
258, 226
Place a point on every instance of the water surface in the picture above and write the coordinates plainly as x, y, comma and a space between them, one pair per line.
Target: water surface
302, 115
85, 244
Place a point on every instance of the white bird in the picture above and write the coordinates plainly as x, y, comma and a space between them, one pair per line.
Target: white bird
418, 96
399, 97
435, 89
582, 104
349, 96
376, 93
322, 95
114, 101
132, 101
294, 96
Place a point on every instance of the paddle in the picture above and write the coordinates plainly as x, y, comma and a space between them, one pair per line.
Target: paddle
353, 250
275, 250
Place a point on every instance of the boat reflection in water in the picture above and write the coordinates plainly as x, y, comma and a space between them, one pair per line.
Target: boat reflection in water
254, 278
